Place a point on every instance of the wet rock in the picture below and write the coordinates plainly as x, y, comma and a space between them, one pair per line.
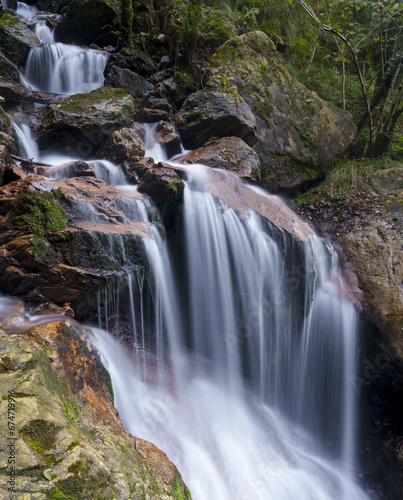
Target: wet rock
11, 90
134, 84
138, 62
229, 153
79, 124
147, 115
208, 115
70, 439
136, 166
299, 133
74, 169
6, 144
388, 181
121, 145
16, 38
163, 183
8, 70
89, 21
52, 5
62, 239
168, 138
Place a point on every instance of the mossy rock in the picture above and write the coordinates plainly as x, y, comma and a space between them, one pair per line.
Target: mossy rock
299, 133
59, 456
82, 122
16, 38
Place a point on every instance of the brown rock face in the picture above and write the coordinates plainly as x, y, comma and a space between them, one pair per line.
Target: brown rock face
121, 145
168, 138
56, 238
228, 153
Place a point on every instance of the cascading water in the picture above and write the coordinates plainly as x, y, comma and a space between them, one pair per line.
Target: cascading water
242, 374
27, 11
43, 32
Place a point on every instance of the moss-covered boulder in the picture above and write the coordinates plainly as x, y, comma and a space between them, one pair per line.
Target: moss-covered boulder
208, 114
16, 38
89, 21
82, 122
60, 427
229, 153
121, 145
299, 133
62, 239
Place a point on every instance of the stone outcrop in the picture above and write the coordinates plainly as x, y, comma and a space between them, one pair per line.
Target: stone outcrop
69, 441
121, 145
299, 133
135, 85
6, 143
16, 38
169, 139
229, 153
56, 237
79, 124
8, 70
89, 21
207, 115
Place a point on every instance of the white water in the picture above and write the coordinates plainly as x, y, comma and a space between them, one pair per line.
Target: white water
27, 11
241, 375
44, 33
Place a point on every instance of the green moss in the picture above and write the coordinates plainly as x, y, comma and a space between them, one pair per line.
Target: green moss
11, 24
82, 484
79, 103
177, 490
39, 435
42, 212
72, 410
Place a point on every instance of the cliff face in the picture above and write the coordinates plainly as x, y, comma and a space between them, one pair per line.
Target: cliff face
60, 428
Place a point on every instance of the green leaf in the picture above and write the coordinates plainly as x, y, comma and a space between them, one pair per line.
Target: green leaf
49, 474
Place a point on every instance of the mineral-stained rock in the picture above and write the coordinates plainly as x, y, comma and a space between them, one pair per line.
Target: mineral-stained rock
229, 153
16, 38
299, 133
71, 443
88, 21
61, 239
135, 167
82, 122
121, 145
207, 115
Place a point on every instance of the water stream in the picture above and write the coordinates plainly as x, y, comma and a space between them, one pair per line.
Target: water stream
242, 351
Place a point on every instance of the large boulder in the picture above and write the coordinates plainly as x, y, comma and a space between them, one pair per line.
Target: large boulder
60, 239
82, 122
208, 115
388, 181
229, 153
71, 443
16, 38
134, 84
8, 70
121, 145
52, 5
299, 133
6, 143
89, 21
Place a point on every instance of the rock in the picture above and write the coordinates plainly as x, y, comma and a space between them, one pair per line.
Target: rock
52, 5
158, 103
121, 145
208, 115
388, 181
229, 153
135, 85
70, 246
147, 115
299, 133
16, 38
89, 21
14, 91
74, 169
138, 62
135, 167
164, 185
6, 146
8, 70
71, 442
168, 138
80, 123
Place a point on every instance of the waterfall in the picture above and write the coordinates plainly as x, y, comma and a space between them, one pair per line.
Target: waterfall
242, 346
27, 11
44, 33
64, 69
